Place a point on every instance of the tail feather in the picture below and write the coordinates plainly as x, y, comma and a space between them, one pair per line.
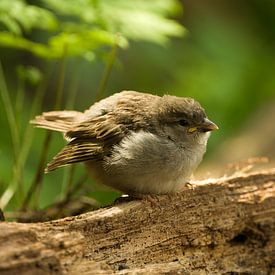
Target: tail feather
60, 121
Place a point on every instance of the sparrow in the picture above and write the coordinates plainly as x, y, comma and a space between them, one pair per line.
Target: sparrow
134, 142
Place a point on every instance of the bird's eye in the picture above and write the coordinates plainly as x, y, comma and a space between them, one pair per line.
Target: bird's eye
183, 122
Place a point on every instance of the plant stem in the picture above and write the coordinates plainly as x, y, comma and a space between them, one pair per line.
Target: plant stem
19, 101
36, 105
73, 87
15, 137
69, 171
61, 80
47, 142
69, 182
39, 173
106, 74
36, 185
10, 112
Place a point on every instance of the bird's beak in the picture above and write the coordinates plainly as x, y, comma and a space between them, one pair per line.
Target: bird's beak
206, 126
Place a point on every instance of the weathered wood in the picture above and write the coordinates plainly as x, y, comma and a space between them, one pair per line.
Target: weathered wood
221, 226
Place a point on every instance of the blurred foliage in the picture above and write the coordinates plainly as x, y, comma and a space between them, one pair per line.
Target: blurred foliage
18, 17
226, 61
67, 31
82, 26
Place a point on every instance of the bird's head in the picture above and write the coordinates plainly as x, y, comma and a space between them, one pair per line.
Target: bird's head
184, 120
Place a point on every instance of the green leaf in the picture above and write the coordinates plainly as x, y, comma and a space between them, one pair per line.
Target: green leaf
147, 26
81, 43
83, 9
12, 41
10, 24
146, 21
143, 20
74, 44
17, 16
88, 25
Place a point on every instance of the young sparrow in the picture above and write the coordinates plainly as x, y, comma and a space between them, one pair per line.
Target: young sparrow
134, 142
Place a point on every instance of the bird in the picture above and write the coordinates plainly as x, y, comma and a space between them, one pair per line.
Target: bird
135, 142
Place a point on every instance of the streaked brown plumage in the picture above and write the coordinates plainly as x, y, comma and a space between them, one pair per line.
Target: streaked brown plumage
97, 135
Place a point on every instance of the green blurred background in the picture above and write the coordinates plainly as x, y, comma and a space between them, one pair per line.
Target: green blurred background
222, 53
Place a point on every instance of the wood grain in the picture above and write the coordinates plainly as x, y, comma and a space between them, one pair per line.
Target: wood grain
220, 226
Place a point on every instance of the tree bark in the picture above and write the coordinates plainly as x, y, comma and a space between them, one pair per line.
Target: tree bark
221, 226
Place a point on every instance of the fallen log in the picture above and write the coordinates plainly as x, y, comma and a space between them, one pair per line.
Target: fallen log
221, 226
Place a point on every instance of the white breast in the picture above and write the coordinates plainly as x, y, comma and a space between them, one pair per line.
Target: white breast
148, 164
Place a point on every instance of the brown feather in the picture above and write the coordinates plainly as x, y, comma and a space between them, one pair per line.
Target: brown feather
76, 151
106, 123
60, 121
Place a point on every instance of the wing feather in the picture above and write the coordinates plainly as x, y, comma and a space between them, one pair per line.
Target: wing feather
75, 151
90, 141
99, 128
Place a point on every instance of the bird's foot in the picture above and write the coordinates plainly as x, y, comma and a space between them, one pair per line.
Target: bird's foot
187, 186
190, 185
153, 199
